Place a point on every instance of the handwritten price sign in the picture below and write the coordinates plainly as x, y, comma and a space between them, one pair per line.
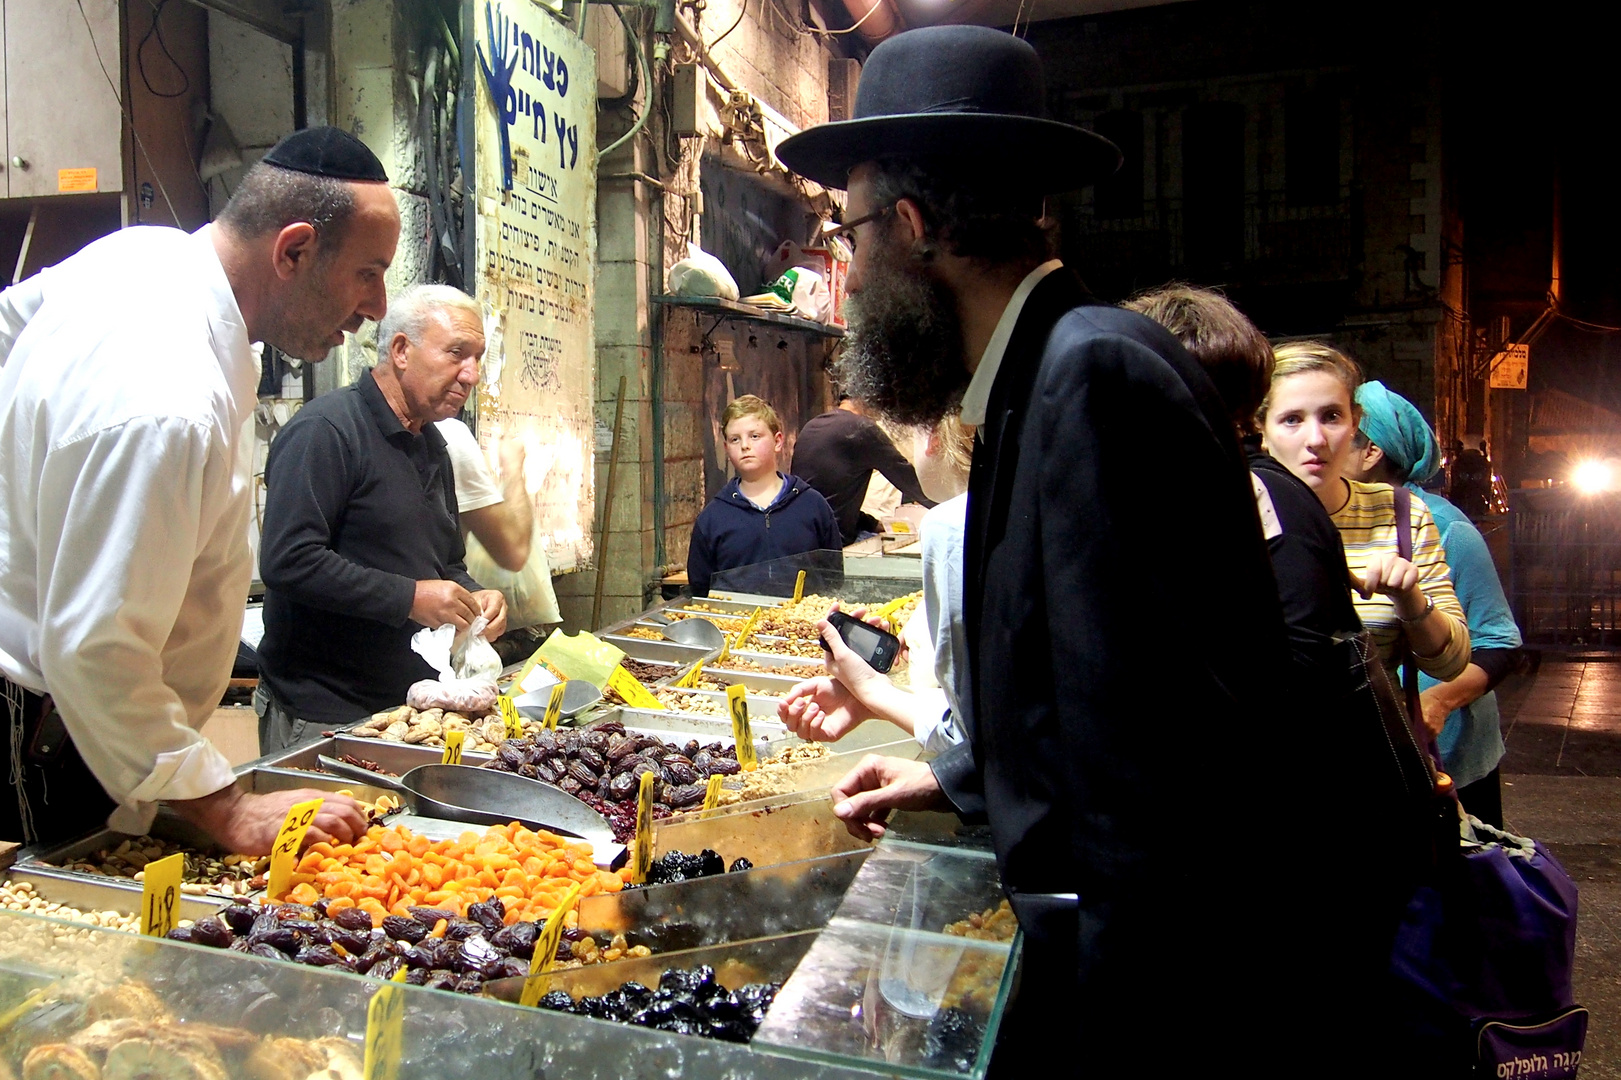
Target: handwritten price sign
551, 935
284, 855
160, 895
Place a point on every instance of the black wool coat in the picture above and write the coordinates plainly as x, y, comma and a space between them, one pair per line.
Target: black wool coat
1127, 658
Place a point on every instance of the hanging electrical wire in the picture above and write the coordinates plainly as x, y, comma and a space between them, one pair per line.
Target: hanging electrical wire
647, 83
744, 10
156, 30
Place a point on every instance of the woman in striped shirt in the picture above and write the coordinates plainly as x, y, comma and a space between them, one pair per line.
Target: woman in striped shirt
1309, 423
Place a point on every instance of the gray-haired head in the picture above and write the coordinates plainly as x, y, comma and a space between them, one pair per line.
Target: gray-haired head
408, 312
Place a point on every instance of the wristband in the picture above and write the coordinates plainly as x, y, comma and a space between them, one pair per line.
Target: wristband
1429, 606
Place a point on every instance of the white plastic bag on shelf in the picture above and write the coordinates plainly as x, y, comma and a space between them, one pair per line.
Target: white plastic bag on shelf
467, 665
701, 274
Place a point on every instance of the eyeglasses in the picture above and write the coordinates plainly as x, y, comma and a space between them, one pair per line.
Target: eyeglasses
847, 231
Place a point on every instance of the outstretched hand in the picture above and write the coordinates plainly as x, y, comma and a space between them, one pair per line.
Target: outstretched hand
865, 797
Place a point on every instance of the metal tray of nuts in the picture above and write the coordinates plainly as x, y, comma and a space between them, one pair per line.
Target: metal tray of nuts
679, 727
397, 758
99, 898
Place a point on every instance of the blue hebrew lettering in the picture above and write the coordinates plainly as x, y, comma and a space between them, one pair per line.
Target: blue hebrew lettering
528, 53
562, 140
562, 78
574, 145
498, 80
538, 111
551, 62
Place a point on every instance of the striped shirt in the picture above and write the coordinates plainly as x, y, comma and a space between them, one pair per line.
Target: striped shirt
1367, 524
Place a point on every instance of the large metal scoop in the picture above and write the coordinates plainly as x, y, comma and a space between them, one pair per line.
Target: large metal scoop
695, 631
491, 797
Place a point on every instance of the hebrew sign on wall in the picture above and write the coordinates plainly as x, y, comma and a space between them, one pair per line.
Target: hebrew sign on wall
535, 136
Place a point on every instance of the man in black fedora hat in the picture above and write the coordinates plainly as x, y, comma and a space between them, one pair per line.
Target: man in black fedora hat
1123, 625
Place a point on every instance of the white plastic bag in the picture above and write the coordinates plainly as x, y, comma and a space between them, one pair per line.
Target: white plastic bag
467, 665
531, 601
701, 274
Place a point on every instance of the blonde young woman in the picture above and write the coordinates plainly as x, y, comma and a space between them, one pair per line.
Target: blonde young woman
1309, 423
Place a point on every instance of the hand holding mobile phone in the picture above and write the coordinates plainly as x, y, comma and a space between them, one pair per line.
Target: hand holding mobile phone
877, 647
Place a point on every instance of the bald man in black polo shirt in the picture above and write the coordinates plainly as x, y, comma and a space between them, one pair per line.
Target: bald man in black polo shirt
362, 543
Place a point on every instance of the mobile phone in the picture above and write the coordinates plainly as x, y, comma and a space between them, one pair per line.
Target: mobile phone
877, 647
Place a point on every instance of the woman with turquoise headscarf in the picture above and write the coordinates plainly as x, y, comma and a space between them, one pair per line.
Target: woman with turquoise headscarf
1395, 445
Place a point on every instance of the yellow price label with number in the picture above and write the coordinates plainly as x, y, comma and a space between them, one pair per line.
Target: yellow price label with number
510, 717
641, 850
748, 628
888, 610
551, 936
453, 748
160, 895
385, 1030
630, 688
712, 792
284, 854
689, 681
799, 587
554, 707
737, 704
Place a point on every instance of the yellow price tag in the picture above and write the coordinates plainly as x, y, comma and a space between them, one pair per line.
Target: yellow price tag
737, 703
160, 895
799, 587
689, 681
748, 628
641, 852
284, 855
385, 1031
630, 688
554, 707
510, 717
895, 605
551, 935
453, 748
712, 792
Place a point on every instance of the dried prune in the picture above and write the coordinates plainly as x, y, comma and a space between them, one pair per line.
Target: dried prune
353, 941
510, 968
212, 932
680, 796
490, 914
517, 940
353, 919
179, 933
475, 954
557, 1001
320, 956
459, 929
401, 928
239, 917
386, 967
739, 864
428, 916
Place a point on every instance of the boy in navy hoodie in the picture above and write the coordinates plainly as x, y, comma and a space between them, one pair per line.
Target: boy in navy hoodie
760, 515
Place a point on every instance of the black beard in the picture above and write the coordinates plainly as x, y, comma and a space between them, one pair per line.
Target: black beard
903, 357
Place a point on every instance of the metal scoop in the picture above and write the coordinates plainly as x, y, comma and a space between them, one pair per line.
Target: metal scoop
491, 797
578, 696
695, 631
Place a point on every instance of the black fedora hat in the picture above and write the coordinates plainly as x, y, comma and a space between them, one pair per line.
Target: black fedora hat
967, 94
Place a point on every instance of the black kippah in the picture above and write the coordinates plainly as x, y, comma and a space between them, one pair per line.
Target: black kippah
327, 151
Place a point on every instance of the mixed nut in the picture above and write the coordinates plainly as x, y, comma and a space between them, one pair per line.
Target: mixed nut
231, 875
22, 896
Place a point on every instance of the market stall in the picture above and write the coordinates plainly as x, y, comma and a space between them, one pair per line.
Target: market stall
756, 936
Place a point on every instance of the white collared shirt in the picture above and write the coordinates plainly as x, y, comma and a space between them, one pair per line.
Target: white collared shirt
126, 378
978, 395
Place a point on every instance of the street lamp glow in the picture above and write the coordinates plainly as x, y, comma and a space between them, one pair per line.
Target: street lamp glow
1592, 477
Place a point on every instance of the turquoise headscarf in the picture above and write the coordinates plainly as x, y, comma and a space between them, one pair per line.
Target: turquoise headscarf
1394, 425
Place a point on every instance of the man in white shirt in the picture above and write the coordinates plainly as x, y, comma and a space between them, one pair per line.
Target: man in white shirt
498, 513
126, 376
